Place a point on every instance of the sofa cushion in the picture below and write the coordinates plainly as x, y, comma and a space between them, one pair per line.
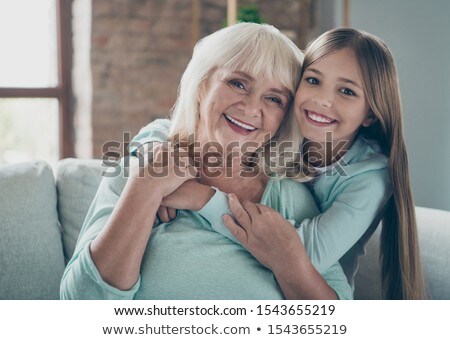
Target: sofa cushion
31, 255
434, 240
77, 181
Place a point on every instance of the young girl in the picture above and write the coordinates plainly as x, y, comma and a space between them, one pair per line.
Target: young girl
349, 114
349, 92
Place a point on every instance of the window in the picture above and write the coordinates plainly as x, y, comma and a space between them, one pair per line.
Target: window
35, 117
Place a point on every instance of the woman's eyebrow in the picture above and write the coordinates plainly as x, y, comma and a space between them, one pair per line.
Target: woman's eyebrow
284, 92
243, 74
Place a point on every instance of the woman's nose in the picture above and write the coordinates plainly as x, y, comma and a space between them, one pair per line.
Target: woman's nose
253, 106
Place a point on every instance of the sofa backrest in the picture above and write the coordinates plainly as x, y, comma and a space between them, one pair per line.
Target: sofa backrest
77, 181
31, 255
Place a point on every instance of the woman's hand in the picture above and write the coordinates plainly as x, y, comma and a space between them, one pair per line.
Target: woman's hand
274, 242
266, 234
166, 171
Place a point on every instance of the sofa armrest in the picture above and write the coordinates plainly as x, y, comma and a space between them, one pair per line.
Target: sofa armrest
434, 243
31, 255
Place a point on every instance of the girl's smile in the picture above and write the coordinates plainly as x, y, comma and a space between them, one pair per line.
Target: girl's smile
319, 119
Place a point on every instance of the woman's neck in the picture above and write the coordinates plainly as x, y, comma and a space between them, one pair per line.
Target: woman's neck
248, 185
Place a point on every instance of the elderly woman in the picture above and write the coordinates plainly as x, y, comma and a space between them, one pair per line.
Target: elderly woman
237, 88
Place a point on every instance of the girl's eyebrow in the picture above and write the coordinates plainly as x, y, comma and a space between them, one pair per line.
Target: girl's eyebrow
342, 79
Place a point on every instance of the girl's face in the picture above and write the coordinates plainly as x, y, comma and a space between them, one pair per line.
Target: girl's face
330, 99
235, 107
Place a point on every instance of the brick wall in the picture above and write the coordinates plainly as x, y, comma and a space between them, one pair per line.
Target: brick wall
139, 50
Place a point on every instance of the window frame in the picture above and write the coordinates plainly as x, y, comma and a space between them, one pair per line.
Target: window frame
62, 92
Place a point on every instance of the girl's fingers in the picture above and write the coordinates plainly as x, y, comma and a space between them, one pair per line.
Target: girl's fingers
163, 214
172, 213
237, 231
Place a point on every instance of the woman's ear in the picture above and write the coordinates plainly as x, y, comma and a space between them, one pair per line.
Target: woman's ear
370, 120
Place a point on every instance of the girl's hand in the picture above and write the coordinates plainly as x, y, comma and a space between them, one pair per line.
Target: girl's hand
165, 215
266, 234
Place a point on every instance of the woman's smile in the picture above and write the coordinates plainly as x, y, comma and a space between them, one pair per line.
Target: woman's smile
239, 126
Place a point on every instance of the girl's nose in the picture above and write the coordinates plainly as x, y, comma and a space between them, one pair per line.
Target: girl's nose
324, 97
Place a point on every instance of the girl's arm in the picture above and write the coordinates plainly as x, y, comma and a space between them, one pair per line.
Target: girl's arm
327, 236
356, 203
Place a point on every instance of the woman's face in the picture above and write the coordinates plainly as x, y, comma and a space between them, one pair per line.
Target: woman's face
235, 107
330, 99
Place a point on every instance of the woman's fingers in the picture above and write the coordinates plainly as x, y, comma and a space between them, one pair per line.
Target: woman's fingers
182, 162
238, 211
237, 231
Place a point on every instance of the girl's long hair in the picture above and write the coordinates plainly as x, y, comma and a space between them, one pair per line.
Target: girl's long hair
401, 268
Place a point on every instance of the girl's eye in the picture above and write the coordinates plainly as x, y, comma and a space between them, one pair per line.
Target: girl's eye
347, 91
237, 84
312, 80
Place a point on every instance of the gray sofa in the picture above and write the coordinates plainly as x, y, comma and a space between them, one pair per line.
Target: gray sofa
40, 218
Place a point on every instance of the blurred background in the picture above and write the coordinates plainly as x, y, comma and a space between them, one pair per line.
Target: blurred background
75, 74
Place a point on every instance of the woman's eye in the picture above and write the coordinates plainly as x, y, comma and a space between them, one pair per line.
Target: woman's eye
312, 80
275, 100
238, 84
347, 91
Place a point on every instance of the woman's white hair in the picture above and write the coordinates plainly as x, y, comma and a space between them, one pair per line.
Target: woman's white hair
259, 50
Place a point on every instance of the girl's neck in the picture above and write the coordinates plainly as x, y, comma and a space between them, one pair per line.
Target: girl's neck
322, 154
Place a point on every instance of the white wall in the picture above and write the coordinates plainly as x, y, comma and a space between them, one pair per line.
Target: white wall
418, 33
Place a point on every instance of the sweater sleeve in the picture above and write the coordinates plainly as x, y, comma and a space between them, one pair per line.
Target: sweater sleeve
156, 131
213, 211
337, 281
356, 204
81, 279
